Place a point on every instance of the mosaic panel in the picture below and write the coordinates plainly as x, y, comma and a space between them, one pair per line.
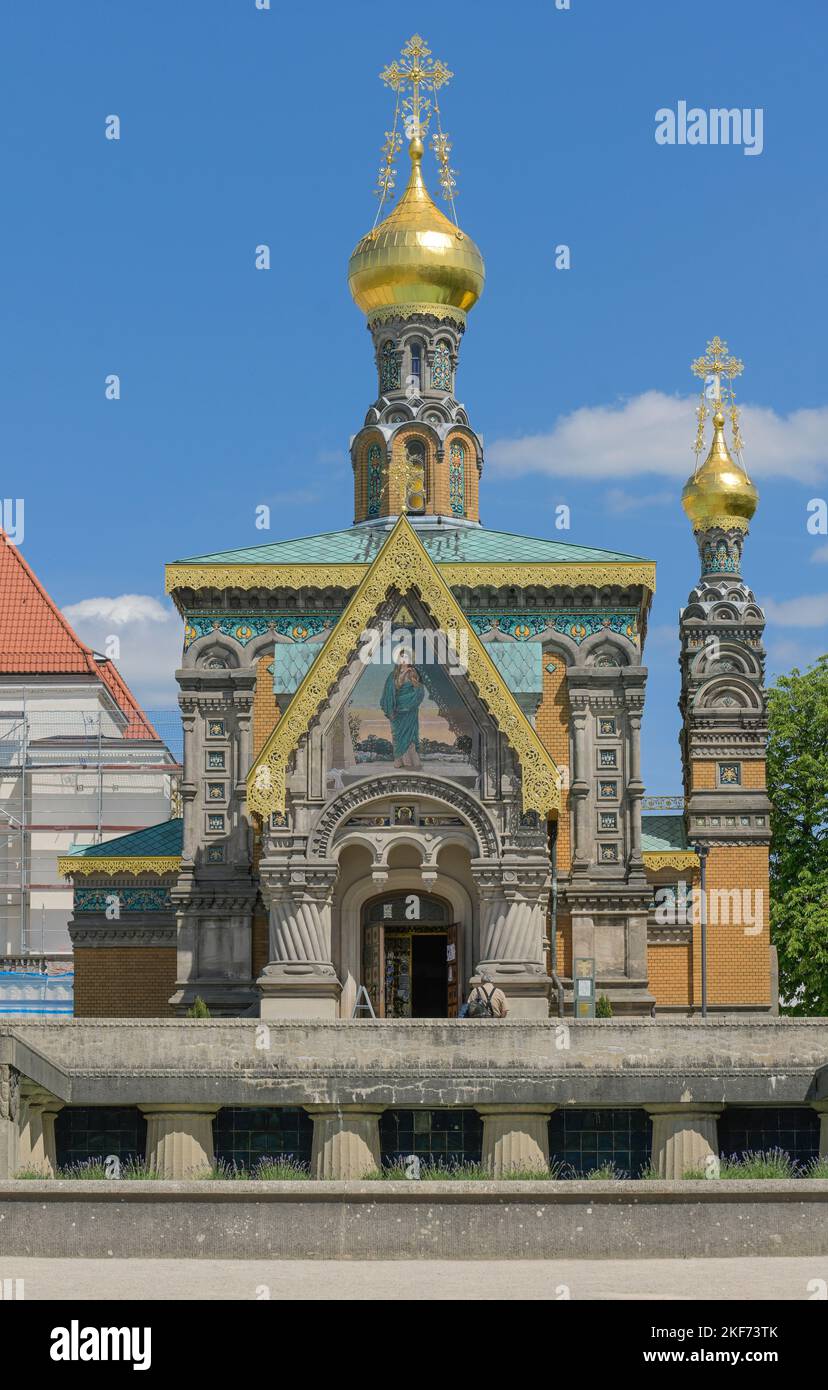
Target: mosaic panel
457, 478
374, 480
441, 368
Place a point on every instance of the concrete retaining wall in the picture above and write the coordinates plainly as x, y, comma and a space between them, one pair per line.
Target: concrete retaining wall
403, 1220
422, 1062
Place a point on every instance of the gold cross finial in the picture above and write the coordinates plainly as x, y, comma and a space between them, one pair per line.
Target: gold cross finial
413, 70
410, 77
716, 363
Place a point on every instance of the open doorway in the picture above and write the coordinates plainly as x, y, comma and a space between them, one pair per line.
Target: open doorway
410, 957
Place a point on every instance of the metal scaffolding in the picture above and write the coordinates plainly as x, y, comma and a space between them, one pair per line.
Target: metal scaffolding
69, 777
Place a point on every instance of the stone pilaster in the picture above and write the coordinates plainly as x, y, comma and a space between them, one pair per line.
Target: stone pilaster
299, 980
635, 786
821, 1107
515, 1140
215, 894
513, 900
684, 1137
346, 1141
579, 788
180, 1139
9, 1120
36, 1144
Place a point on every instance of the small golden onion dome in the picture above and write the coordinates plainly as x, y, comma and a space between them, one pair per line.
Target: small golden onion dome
416, 258
719, 493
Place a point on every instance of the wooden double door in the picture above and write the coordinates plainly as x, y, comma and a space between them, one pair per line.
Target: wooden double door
411, 957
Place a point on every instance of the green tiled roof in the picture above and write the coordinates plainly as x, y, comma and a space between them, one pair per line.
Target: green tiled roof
660, 833
155, 841
520, 665
446, 545
291, 663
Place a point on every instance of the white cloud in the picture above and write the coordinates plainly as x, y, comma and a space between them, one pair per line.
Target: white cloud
652, 434
618, 500
820, 555
127, 608
809, 610
150, 637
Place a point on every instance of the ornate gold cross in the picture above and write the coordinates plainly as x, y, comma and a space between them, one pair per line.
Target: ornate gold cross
413, 70
717, 363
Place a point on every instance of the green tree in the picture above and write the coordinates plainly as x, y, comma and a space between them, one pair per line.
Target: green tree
199, 1009
798, 790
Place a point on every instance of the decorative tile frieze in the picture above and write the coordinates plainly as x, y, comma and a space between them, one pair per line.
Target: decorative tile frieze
129, 899
575, 625
243, 629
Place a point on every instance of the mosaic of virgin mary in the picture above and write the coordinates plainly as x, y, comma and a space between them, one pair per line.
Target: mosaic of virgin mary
402, 695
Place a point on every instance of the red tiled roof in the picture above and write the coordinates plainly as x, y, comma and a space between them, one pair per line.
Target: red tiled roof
36, 639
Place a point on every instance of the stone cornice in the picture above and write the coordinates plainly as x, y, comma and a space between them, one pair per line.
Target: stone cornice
118, 936
559, 575
69, 865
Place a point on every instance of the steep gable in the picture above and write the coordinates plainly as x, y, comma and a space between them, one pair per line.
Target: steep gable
403, 566
36, 639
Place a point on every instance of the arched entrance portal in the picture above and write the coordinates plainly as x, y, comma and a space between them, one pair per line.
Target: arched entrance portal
410, 949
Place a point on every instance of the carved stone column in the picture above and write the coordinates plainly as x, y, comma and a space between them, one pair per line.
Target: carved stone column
9, 1120
515, 1140
188, 782
180, 1139
36, 1145
580, 787
635, 791
513, 899
299, 980
821, 1107
684, 1137
346, 1141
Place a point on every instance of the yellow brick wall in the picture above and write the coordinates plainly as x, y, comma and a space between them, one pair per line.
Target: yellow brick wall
563, 946
361, 477
552, 725
124, 981
670, 973
738, 961
704, 774
265, 708
471, 479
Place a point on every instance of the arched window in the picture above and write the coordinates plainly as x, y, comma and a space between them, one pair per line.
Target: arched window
416, 483
457, 478
416, 366
441, 368
374, 462
389, 367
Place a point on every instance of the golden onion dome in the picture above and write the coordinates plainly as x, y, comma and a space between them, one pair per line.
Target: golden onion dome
416, 260
720, 493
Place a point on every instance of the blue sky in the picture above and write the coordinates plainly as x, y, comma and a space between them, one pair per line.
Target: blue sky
242, 126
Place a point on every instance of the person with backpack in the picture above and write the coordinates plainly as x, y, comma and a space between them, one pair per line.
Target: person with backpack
486, 1000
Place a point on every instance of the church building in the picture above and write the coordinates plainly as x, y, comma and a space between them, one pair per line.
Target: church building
412, 746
